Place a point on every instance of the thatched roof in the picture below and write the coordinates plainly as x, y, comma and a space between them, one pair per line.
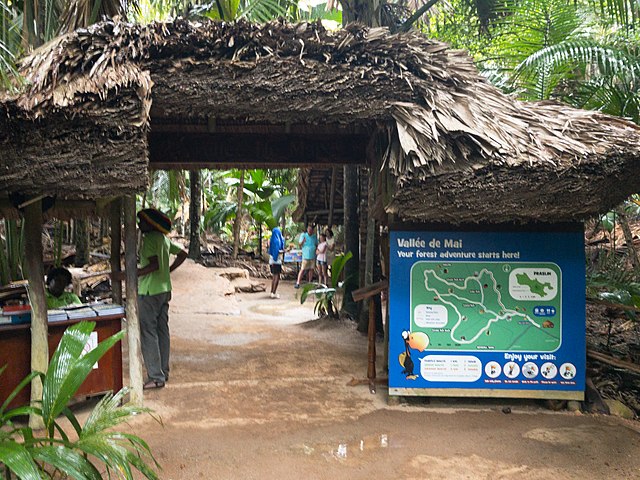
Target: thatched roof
83, 136
458, 149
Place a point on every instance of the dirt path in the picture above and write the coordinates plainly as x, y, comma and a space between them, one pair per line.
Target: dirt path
259, 391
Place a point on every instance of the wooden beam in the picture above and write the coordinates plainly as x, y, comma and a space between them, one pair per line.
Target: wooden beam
115, 221
620, 306
216, 150
37, 299
370, 290
214, 125
133, 321
323, 212
615, 362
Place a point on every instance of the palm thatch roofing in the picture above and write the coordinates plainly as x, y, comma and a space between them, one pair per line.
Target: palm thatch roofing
103, 104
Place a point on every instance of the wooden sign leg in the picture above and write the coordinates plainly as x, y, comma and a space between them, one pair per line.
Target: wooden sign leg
371, 370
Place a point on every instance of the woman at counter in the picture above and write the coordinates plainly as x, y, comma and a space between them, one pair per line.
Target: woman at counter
57, 281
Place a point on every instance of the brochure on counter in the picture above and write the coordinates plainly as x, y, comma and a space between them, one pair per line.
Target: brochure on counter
22, 314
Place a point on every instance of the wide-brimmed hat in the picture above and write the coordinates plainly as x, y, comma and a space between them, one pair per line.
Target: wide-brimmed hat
156, 219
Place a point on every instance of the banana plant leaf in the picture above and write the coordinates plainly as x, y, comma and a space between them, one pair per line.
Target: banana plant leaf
279, 205
337, 266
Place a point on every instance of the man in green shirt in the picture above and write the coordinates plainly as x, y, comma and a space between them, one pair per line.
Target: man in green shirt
57, 281
154, 293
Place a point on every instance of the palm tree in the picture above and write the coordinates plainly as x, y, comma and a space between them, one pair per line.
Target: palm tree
95, 450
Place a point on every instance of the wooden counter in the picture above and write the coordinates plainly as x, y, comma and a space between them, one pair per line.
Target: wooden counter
15, 352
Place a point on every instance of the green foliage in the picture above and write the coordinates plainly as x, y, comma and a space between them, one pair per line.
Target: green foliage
11, 20
26, 23
219, 213
581, 53
609, 279
98, 451
608, 221
328, 299
168, 191
319, 11
526, 30
253, 10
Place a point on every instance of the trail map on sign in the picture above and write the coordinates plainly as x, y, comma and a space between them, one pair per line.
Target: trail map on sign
496, 306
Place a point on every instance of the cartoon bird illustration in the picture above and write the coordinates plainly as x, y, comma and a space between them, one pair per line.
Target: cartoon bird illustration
417, 341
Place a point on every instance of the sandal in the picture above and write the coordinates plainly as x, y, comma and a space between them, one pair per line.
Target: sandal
153, 384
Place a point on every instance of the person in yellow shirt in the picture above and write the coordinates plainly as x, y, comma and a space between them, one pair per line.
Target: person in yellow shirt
58, 279
154, 292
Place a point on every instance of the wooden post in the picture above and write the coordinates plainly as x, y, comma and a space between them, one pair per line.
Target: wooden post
133, 321
370, 292
371, 368
37, 298
384, 253
115, 220
332, 196
351, 236
369, 250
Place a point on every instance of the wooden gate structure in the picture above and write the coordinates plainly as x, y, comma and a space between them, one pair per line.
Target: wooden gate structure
102, 106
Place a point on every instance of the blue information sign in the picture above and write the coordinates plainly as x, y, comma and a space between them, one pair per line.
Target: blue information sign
487, 313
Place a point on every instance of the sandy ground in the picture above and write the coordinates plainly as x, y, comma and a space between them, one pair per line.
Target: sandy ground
258, 390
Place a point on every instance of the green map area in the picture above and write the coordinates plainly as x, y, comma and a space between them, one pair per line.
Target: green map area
487, 306
534, 285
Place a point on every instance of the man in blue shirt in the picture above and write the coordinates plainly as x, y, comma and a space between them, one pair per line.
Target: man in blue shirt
308, 243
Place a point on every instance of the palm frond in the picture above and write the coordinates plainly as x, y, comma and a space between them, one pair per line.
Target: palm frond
18, 459
216, 217
69, 368
73, 464
610, 61
264, 10
116, 450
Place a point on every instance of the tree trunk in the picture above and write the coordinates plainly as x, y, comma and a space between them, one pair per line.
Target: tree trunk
362, 11
351, 237
195, 187
82, 242
238, 220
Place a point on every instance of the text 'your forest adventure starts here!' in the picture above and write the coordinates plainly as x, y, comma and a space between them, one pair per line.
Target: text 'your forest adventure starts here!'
487, 313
